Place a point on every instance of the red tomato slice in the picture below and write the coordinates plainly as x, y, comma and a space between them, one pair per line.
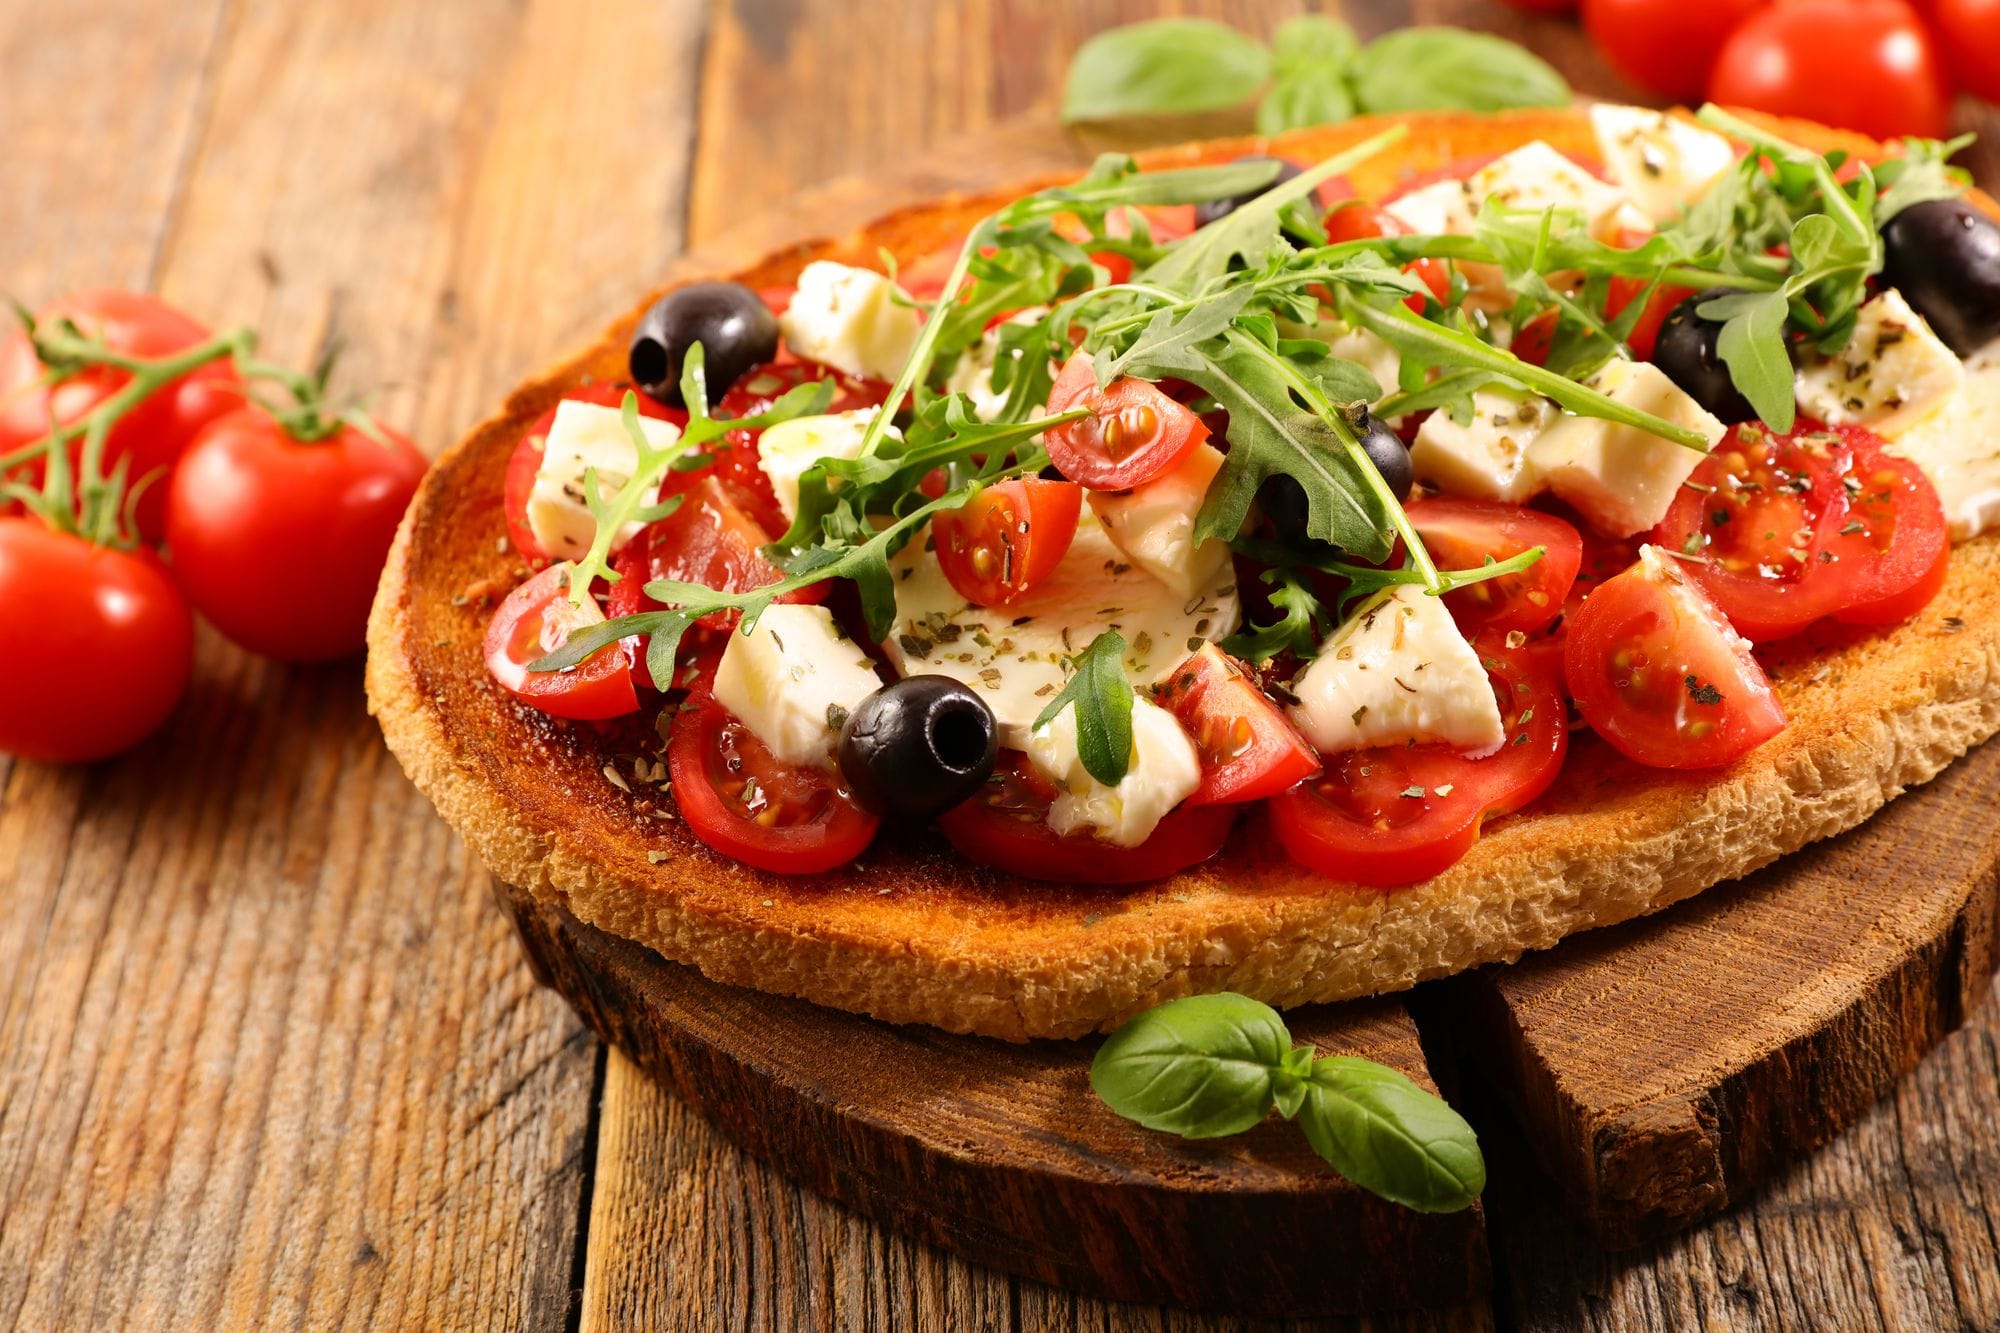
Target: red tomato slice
709, 540
536, 619
1007, 539
1893, 542
1460, 534
1656, 670
526, 459
1359, 221
747, 804
1133, 434
1006, 826
1398, 814
1248, 749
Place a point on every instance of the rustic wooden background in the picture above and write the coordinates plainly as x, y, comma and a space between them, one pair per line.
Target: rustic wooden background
268, 1055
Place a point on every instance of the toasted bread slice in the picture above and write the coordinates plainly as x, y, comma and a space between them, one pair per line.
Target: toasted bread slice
912, 933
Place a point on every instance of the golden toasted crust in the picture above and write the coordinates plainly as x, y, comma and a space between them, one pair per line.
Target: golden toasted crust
913, 933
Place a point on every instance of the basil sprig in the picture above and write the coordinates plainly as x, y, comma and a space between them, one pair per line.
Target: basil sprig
1102, 697
1315, 72
1209, 1066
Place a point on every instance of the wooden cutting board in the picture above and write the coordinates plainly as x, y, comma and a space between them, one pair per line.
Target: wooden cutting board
1660, 1069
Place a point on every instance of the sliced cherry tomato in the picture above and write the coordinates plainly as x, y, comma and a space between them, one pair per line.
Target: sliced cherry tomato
1363, 221
526, 460
1665, 46
1604, 558
155, 431
709, 540
1536, 338
751, 806
1461, 534
1893, 542
1134, 431
536, 619
1867, 65
1006, 826
1398, 814
1248, 749
1007, 539
1657, 672
1660, 303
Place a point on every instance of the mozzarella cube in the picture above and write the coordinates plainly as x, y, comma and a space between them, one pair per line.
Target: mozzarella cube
1620, 477
1485, 458
1399, 671
586, 436
1662, 162
973, 375
1164, 771
850, 319
786, 450
793, 680
1536, 178
1443, 208
1958, 448
1893, 373
1154, 523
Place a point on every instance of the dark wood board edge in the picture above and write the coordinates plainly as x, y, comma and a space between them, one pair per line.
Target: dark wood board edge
1108, 1229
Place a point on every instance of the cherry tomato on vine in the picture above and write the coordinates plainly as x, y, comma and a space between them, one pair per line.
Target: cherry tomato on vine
1665, 46
100, 644
1867, 65
156, 430
279, 541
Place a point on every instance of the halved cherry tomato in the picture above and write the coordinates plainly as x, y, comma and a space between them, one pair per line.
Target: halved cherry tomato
1460, 534
709, 540
1362, 221
1536, 338
1604, 559
751, 806
1134, 432
1007, 539
1657, 672
1398, 814
1893, 542
526, 460
1006, 826
1248, 749
536, 619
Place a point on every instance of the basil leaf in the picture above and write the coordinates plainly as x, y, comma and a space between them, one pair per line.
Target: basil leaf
1103, 698
1201, 1067
1752, 345
1163, 66
1426, 69
1309, 75
1389, 1136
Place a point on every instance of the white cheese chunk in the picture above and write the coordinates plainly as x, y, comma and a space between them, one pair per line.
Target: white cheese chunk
1536, 178
1154, 523
1485, 458
1012, 656
1893, 373
1399, 671
1958, 448
850, 319
1442, 208
1164, 771
584, 436
1662, 162
1622, 478
793, 680
973, 375
786, 450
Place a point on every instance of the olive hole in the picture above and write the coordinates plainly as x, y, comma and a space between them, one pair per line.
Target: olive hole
958, 738
649, 360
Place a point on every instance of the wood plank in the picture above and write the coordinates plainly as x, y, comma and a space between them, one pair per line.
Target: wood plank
270, 1055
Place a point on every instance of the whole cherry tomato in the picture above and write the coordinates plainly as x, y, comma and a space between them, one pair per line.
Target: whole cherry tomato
1969, 33
153, 434
99, 645
1665, 46
1867, 65
279, 541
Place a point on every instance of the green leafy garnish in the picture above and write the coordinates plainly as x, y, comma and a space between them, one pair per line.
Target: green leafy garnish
1209, 1066
1102, 697
1440, 68
1310, 58
1176, 65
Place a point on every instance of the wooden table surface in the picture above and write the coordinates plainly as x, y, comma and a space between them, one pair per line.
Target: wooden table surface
268, 1054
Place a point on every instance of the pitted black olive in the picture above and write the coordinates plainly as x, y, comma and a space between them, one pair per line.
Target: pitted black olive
1685, 354
736, 330
1283, 500
1210, 210
1943, 255
918, 747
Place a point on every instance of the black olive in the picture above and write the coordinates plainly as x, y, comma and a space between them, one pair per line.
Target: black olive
917, 747
1685, 354
1210, 210
1943, 255
736, 330
1284, 500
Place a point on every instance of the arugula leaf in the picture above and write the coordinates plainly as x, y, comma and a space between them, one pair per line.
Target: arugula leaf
1301, 623
1102, 697
1376, 1127
1752, 345
1163, 65
1440, 68
1311, 55
1921, 172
